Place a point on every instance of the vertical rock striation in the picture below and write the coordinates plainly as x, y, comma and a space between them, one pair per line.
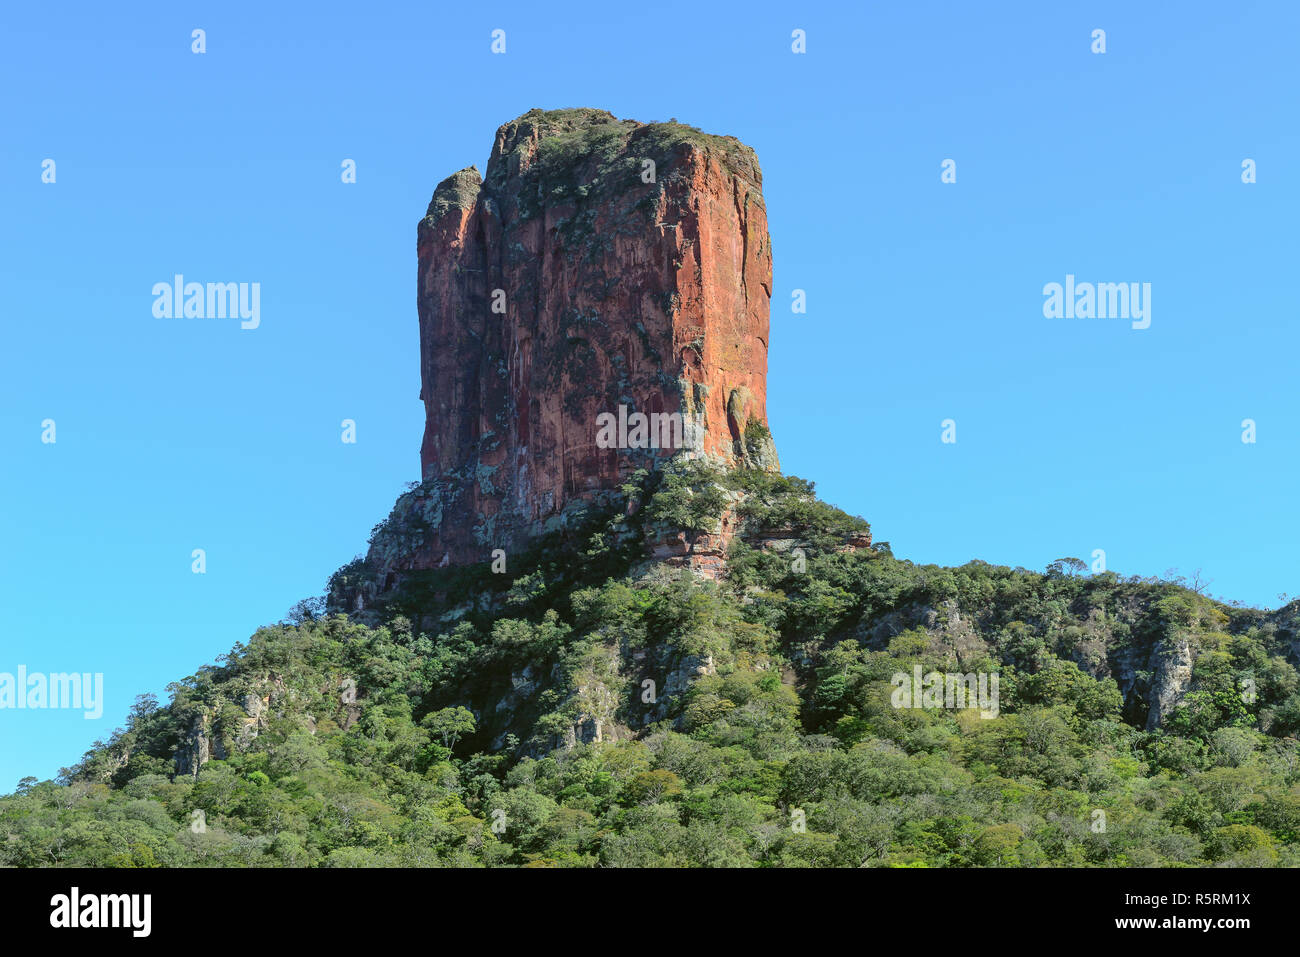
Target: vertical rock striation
599, 263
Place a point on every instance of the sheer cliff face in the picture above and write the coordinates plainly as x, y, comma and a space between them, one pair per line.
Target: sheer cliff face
599, 264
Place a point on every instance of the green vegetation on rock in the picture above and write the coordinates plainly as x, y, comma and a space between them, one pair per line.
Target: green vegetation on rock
484, 720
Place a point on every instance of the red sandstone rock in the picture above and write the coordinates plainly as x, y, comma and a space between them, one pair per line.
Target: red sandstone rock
563, 285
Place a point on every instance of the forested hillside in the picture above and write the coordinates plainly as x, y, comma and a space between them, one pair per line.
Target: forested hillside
592, 708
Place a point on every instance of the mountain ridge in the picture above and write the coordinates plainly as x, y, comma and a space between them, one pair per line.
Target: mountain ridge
674, 655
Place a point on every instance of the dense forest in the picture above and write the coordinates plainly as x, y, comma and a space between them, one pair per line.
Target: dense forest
593, 708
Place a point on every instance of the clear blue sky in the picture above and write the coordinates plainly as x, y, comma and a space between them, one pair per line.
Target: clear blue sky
924, 299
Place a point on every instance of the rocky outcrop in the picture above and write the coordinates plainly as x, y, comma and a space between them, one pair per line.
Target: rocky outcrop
600, 271
231, 726
1172, 663
704, 554
195, 749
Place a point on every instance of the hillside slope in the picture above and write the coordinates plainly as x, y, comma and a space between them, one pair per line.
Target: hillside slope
590, 706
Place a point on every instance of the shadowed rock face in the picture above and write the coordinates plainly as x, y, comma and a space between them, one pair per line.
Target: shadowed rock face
599, 263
